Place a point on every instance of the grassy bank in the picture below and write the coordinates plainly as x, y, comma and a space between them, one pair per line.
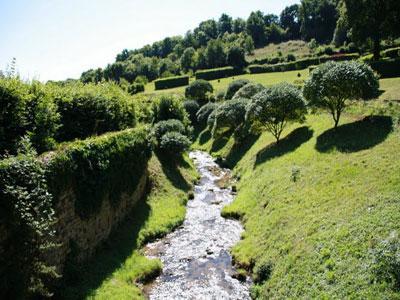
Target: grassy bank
120, 264
317, 206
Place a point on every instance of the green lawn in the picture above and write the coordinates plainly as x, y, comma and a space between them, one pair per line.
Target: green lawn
389, 86
120, 264
317, 205
222, 84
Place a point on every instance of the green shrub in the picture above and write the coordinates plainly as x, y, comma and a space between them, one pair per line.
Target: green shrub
13, 114
248, 91
163, 127
169, 107
230, 115
135, 88
93, 109
217, 73
171, 82
262, 272
191, 107
386, 68
43, 118
211, 118
234, 86
198, 90
27, 214
96, 167
273, 108
300, 64
290, 57
204, 112
174, 143
333, 83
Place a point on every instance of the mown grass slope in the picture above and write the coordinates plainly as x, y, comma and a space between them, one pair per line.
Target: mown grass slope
120, 265
298, 48
316, 206
222, 84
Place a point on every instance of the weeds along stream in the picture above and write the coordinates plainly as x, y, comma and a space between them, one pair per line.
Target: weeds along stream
196, 259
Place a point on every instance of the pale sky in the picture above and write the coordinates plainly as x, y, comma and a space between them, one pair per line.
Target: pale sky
58, 39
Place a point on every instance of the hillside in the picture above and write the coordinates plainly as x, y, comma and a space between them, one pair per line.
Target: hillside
319, 207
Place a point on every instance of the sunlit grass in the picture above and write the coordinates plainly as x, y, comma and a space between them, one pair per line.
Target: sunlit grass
314, 213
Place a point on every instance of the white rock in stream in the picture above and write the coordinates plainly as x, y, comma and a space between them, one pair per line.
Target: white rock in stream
196, 259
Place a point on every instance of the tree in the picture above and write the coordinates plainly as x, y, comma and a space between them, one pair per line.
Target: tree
124, 55
274, 33
373, 19
215, 54
230, 115
334, 83
236, 57
239, 25
290, 21
342, 26
198, 90
224, 24
255, 27
248, 44
270, 19
188, 59
234, 86
318, 20
248, 91
273, 108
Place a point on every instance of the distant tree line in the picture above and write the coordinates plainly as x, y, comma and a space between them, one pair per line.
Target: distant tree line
226, 41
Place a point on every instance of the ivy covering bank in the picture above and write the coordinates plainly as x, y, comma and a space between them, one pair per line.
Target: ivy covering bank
108, 165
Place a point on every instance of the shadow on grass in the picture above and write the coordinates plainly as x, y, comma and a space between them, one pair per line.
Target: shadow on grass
169, 165
290, 143
80, 280
204, 136
356, 136
221, 140
239, 150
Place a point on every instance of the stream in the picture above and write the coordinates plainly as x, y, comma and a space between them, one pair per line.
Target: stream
196, 259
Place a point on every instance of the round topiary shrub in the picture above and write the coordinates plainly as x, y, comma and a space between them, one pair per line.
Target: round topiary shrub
248, 91
164, 127
204, 112
234, 86
191, 107
198, 90
174, 143
334, 83
230, 115
273, 108
169, 107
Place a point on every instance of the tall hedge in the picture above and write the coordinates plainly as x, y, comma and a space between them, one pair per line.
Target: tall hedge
217, 73
171, 82
386, 68
299, 64
91, 109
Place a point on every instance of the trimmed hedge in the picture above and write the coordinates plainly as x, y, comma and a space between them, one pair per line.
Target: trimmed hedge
211, 74
300, 64
96, 167
386, 68
90, 109
391, 53
171, 82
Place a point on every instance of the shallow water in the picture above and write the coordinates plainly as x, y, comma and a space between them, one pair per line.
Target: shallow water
196, 259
